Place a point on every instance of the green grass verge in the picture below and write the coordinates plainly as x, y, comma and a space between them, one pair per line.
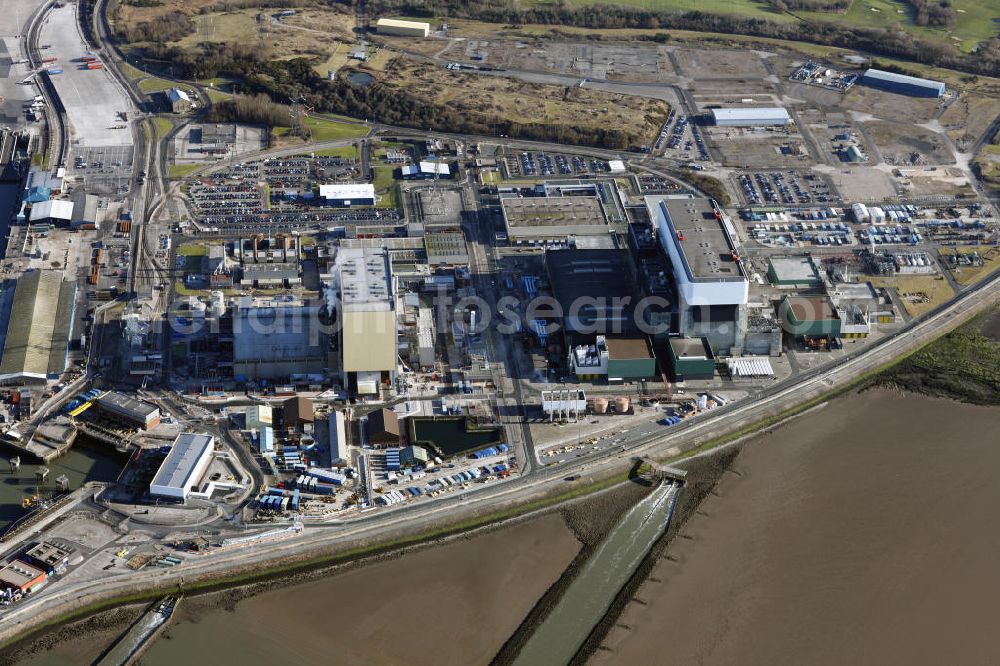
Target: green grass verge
383, 178
162, 126
343, 152
963, 364
152, 85
192, 250
327, 130
181, 170
216, 96
131, 72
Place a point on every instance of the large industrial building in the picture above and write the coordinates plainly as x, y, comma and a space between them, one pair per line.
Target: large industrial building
809, 317
903, 84
345, 195
368, 311
426, 170
400, 28
690, 358
614, 359
20, 577
35, 325
596, 292
794, 271
52, 211
126, 409
750, 117
181, 471
585, 212
274, 339
712, 285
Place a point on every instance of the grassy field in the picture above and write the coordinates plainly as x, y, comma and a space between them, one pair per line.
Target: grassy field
344, 152
130, 71
181, 170
192, 250
153, 84
163, 126
324, 130
913, 289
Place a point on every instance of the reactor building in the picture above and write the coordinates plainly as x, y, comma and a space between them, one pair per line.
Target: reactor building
712, 285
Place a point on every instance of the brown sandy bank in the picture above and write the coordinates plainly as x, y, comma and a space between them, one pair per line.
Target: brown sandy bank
450, 604
864, 533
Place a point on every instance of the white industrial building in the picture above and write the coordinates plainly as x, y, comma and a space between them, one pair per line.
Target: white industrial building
181, 471
56, 211
400, 28
368, 305
425, 338
860, 212
348, 194
425, 170
712, 285
564, 405
339, 453
741, 117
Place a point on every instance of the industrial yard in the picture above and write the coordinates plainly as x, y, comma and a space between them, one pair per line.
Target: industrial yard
284, 340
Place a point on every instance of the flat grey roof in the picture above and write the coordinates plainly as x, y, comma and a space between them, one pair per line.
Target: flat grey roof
286, 333
583, 211
179, 465
775, 113
689, 348
446, 246
706, 245
126, 405
365, 279
883, 75
794, 268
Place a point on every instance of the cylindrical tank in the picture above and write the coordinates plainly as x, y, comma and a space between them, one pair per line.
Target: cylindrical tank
599, 405
621, 404
218, 303
197, 307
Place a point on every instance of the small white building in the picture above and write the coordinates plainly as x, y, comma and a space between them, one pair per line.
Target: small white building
180, 101
181, 471
616, 166
348, 194
860, 212
564, 404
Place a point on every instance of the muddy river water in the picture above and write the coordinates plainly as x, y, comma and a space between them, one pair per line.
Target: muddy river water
865, 533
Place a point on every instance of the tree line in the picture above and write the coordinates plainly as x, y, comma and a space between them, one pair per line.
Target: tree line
892, 41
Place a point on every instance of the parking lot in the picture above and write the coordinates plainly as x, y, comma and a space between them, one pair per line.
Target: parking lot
106, 169
549, 164
681, 138
784, 187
